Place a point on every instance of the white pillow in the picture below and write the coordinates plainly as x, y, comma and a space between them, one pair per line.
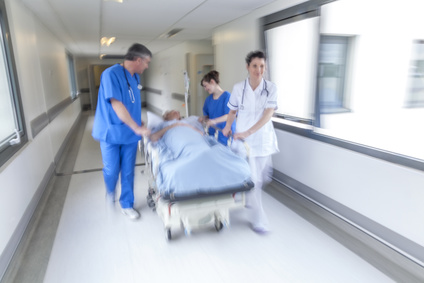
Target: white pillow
153, 120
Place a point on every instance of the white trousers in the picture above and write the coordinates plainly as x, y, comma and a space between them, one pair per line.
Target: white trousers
261, 170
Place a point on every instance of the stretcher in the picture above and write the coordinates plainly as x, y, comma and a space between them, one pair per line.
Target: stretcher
199, 200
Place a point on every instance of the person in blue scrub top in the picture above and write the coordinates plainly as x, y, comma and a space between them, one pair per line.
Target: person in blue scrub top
118, 126
253, 101
215, 108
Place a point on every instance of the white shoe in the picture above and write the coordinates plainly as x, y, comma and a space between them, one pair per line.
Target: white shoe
260, 229
131, 213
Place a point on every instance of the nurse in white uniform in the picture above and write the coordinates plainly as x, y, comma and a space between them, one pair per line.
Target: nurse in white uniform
252, 104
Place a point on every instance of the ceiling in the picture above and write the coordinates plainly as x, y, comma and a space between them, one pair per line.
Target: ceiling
80, 24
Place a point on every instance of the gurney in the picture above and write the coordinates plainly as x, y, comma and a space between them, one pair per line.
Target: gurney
193, 183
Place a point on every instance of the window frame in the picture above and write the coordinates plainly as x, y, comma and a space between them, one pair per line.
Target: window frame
9, 150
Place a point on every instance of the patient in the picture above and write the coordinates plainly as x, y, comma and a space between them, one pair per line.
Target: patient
187, 156
173, 119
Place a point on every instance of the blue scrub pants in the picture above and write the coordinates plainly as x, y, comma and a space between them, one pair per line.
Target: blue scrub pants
119, 158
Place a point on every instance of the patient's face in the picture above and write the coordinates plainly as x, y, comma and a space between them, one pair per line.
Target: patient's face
173, 115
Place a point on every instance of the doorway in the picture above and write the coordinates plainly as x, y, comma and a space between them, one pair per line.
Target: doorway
95, 72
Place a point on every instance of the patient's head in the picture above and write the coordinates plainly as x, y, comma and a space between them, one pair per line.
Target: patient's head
172, 115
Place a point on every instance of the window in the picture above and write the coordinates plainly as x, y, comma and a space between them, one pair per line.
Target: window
415, 94
356, 82
332, 69
291, 45
12, 127
72, 79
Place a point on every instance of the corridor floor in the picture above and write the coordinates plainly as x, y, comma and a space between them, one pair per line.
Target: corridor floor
94, 243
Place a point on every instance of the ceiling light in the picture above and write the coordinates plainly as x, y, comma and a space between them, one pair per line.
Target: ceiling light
107, 40
117, 1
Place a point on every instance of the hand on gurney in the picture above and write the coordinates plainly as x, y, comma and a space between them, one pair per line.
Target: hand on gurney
237, 136
142, 131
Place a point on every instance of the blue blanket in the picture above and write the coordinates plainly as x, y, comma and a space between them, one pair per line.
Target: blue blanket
193, 165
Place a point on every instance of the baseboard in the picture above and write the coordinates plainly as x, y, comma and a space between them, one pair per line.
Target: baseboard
12, 245
68, 137
347, 227
16, 240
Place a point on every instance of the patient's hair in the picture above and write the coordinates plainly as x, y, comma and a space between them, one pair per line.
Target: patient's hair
212, 75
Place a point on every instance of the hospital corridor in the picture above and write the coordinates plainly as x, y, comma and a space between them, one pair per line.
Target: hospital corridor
86, 241
321, 100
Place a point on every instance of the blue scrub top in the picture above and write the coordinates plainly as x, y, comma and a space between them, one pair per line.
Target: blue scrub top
107, 126
217, 108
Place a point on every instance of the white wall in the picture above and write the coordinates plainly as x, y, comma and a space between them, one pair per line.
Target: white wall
233, 41
389, 194
42, 73
82, 66
166, 73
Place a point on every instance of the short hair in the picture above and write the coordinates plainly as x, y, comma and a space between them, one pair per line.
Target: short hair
255, 54
212, 75
137, 50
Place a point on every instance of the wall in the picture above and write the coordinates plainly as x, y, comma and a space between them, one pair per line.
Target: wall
42, 75
84, 68
166, 75
388, 194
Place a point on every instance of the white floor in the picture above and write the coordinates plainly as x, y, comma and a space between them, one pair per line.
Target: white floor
97, 244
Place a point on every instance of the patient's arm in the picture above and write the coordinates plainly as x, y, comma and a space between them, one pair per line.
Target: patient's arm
159, 134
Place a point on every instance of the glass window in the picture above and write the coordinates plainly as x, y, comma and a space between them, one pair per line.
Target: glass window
72, 79
332, 66
381, 72
356, 82
415, 94
291, 46
12, 129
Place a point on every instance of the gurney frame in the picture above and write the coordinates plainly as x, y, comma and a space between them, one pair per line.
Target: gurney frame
188, 214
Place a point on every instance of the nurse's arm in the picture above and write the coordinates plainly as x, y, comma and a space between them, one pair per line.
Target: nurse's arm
268, 112
217, 120
123, 114
231, 116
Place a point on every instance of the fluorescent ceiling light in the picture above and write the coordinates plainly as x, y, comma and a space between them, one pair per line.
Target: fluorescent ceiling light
107, 40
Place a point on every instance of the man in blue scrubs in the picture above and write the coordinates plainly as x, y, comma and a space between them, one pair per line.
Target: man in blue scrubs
117, 124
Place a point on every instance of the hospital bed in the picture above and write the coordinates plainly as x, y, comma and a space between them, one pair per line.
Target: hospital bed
194, 180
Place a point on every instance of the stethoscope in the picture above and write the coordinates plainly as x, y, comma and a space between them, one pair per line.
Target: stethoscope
265, 88
130, 91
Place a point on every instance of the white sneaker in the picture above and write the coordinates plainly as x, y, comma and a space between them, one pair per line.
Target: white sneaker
260, 229
131, 213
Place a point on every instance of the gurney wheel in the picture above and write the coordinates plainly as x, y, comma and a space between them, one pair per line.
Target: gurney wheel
151, 203
168, 234
218, 225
